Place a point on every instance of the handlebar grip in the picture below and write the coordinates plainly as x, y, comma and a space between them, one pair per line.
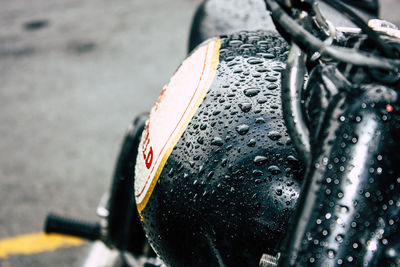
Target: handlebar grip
57, 224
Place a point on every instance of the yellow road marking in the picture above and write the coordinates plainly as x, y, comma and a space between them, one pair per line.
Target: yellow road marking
36, 243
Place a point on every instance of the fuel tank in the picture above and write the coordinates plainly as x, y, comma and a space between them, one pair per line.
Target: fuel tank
217, 177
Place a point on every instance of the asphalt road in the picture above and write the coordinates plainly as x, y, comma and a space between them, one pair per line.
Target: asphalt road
73, 74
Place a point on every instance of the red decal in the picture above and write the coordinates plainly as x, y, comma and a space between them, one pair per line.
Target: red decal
158, 157
149, 158
160, 98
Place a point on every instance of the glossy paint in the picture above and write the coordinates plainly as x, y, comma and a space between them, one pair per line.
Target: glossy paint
231, 183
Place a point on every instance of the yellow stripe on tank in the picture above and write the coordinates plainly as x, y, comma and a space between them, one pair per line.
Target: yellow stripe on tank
214, 47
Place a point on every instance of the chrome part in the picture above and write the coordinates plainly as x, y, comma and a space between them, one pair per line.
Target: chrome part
327, 41
292, 86
321, 22
301, 36
351, 30
102, 208
385, 27
102, 256
103, 212
269, 260
380, 23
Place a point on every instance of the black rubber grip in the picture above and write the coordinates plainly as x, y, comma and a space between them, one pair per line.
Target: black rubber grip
68, 226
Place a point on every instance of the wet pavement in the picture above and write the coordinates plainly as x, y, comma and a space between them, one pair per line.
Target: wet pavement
73, 74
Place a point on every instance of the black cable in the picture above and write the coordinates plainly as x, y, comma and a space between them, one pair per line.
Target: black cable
373, 36
303, 38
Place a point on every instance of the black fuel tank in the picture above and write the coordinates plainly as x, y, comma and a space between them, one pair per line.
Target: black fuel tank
222, 193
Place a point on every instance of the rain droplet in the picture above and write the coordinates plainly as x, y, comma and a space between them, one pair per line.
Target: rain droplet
245, 107
260, 120
274, 135
258, 173
274, 169
200, 140
223, 162
201, 170
217, 141
254, 61
262, 100
260, 160
252, 142
271, 78
242, 129
292, 159
272, 86
250, 92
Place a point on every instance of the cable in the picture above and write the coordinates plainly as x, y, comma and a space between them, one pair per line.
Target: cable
305, 39
385, 48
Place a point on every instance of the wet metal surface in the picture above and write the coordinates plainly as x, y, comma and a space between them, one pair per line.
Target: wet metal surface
73, 75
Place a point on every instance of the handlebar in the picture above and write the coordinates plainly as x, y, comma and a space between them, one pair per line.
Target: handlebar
308, 41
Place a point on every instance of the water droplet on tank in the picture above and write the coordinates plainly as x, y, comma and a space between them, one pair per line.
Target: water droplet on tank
268, 55
262, 100
250, 92
217, 141
272, 86
224, 162
292, 159
257, 172
201, 170
171, 172
271, 78
274, 135
260, 160
274, 169
245, 107
200, 140
252, 142
242, 129
260, 120
254, 61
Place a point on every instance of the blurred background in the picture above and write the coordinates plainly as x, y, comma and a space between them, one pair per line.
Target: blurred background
73, 74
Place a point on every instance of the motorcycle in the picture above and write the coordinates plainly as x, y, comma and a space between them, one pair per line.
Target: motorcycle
270, 147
